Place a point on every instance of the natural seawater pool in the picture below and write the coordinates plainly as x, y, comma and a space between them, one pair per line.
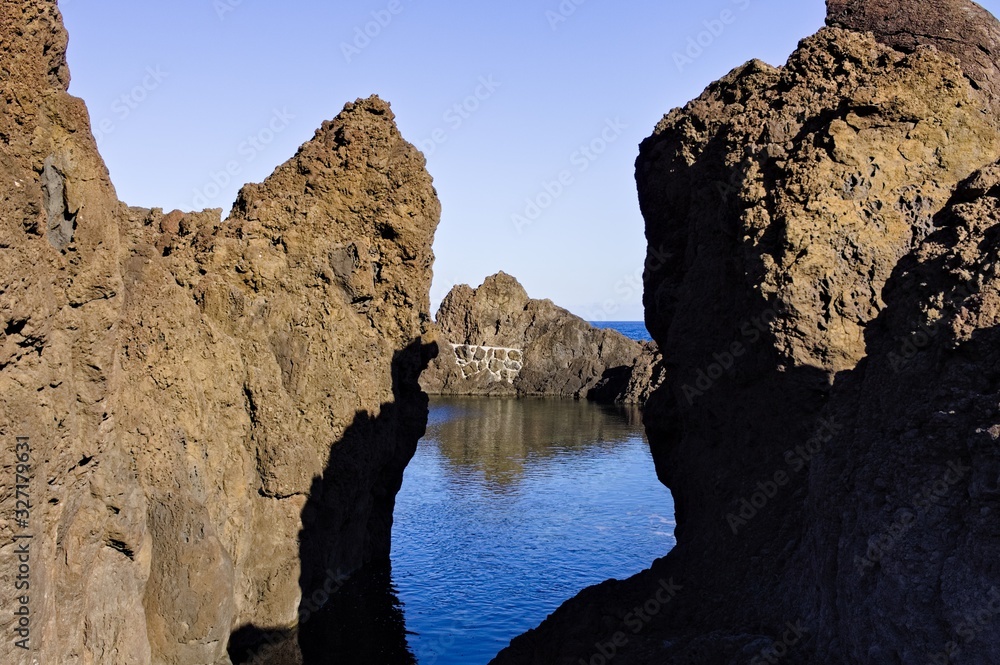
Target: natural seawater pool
511, 507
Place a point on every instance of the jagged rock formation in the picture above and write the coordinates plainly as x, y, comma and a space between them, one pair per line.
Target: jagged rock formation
828, 426
495, 340
219, 413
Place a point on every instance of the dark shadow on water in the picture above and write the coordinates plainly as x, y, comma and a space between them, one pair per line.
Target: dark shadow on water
362, 624
349, 613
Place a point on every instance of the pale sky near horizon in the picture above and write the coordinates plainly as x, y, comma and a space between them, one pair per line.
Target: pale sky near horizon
505, 99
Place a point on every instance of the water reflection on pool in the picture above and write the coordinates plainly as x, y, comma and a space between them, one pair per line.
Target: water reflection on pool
509, 508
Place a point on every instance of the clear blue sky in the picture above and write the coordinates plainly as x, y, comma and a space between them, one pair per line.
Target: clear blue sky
179, 90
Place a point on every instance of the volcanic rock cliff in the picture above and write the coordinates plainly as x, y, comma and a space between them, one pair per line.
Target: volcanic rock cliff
829, 425
218, 414
495, 340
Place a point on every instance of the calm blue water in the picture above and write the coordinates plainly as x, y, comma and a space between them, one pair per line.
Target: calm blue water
511, 507
632, 329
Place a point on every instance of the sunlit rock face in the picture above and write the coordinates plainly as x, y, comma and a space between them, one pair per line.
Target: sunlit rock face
495, 340
219, 414
956, 27
828, 422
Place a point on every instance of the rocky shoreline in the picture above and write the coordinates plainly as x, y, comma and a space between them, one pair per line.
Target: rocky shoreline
218, 413
495, 340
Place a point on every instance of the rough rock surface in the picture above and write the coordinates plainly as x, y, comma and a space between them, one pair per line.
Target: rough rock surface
829, 421
903, 504
495, 340
219, 413
637, 385
959, 27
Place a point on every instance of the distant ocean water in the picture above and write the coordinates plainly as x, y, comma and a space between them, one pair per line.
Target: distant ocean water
632, 329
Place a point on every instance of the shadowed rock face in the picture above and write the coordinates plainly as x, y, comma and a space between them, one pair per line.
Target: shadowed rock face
183, 382
958, 27
902, 507
828, 421
787, 198
497, 341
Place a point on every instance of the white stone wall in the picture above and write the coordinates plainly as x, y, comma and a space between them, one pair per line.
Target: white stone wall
503, 364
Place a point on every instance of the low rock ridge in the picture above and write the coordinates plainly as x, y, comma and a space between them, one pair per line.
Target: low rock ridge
495, 340
829, 425
218, 413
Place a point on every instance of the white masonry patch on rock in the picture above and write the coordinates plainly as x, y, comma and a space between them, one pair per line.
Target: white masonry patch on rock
503, 364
